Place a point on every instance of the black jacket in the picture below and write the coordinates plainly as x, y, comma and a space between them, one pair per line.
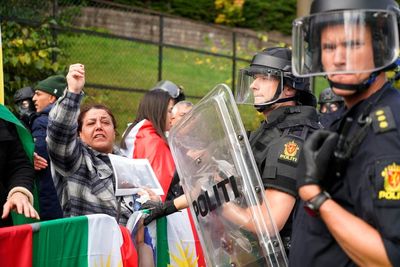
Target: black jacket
49, 204
15, 167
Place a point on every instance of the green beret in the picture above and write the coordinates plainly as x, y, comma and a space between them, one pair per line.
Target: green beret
54, 85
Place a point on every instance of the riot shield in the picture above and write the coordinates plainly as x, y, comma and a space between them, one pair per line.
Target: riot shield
222, 185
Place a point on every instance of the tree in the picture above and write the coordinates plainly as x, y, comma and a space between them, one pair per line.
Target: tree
229, 12
28, 54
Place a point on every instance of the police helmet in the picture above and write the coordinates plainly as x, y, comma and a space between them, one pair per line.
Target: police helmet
273, 63
328, 96
23, 102
175, 91
329, 102
23, 93
356, 17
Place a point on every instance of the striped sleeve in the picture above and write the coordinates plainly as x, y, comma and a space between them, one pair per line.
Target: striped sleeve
65, 150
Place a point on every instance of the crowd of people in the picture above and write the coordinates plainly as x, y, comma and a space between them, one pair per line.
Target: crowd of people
330, 176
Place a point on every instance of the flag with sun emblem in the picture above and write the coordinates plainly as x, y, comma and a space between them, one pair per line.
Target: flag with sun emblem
177, 241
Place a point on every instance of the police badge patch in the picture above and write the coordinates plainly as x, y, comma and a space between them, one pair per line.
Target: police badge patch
290, 152
391, 176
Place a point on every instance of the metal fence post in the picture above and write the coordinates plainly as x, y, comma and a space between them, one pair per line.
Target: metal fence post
233, 61
53, 31
160, 47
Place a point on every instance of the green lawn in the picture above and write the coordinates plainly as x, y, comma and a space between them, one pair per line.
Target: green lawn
130, 64
134, 65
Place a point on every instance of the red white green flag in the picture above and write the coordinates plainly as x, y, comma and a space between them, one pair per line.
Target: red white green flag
16, 246
85, 241
177, 241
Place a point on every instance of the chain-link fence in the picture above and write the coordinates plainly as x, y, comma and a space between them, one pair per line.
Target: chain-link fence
126, 50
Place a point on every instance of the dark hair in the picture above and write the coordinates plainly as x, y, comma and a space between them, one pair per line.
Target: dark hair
152, 107
86, 108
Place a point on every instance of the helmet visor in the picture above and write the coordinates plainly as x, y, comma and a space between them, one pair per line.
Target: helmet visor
172, 89
257, 86
174, 92
352, 41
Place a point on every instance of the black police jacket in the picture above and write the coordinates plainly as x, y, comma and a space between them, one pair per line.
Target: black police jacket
277, 145
368, 185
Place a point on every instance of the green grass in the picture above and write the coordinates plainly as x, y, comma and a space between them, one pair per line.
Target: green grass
130, 64
134, 65
320, 84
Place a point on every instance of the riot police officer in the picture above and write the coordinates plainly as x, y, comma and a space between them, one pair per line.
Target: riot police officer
290, 116
174, 90
329, 102
329, 105
24, 105
351, 185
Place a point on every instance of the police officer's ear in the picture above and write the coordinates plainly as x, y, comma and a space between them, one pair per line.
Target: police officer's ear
288, 91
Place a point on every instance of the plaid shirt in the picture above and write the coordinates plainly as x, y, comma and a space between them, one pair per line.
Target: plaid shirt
83, 177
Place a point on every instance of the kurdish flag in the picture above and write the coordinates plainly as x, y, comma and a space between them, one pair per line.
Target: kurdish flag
177, 241
93, 240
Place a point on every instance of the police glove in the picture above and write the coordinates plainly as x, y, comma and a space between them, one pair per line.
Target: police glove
317, 151
158, 209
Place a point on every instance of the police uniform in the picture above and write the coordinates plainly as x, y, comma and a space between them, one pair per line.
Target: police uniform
368, 185
326, 119
276, 146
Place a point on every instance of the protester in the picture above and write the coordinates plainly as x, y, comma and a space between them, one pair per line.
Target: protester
351, 184
179, 110
78, 144
18, 175
46, 93
146, 136
161, 119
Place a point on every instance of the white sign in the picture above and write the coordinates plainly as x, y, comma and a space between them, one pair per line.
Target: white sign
133, 175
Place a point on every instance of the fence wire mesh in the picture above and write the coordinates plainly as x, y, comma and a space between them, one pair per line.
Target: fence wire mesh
127, 50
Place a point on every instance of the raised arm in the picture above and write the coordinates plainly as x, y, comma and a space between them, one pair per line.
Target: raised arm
63, 145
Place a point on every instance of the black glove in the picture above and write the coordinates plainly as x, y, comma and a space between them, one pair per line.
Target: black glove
317, 150
158, 209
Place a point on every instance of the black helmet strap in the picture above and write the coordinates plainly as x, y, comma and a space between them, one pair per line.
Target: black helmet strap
264, 106
356, 87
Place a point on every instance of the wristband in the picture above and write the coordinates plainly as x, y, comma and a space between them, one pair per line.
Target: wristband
312, 206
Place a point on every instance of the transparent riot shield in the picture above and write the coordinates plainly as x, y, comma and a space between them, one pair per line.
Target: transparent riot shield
223, 187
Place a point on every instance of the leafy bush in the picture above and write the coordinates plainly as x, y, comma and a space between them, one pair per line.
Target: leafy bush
230, 12
30, 54
269, 15
265, 15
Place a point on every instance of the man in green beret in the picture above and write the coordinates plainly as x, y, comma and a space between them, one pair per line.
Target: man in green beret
46, 94
48, 91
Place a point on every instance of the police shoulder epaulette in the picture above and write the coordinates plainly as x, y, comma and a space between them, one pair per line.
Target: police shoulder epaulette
383, 120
